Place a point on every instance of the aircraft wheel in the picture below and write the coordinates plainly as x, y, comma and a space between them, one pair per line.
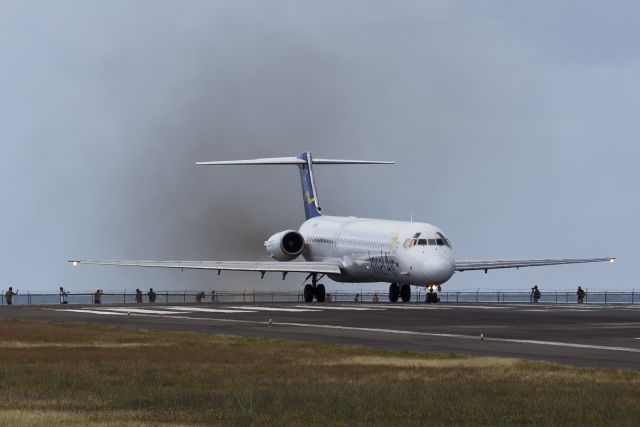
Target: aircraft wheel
308, 293
394, 292
320, 293
405, 293
432, 298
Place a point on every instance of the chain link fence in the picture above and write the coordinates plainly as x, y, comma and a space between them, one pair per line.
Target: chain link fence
185, 297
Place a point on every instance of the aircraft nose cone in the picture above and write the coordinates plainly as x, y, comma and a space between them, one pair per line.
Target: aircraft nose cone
438, 269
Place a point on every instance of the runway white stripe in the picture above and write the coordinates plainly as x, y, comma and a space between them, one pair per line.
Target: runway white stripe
473, 337
208, 310
260, 308
334, 307
112, 313
352, 328
142, 311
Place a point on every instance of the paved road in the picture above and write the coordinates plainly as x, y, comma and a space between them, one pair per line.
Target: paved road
593, 335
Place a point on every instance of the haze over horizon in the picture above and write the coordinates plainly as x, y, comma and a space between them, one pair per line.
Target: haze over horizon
513, 126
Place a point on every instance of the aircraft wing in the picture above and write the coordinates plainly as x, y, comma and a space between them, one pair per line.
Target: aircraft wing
517, 263
259, 266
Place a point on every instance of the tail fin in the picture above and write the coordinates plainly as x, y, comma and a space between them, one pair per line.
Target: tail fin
309, 194
305, 163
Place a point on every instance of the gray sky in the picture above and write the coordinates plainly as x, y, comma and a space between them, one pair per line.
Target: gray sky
514, 126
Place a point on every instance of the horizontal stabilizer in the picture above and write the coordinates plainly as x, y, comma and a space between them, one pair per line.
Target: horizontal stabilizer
294, 161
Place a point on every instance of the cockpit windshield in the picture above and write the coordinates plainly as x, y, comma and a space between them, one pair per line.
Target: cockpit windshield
440, 240
445, 241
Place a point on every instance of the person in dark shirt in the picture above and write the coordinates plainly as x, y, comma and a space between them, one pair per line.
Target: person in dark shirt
9, 295
580, 295
200, 296
152, 295
535, 293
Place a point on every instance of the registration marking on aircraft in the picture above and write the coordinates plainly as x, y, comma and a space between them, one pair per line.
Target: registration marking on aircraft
209, 310
262, 308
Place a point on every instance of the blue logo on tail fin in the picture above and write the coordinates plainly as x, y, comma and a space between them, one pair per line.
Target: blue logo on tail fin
309, 193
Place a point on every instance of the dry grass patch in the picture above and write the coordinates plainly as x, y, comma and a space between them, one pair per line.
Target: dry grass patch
61, 374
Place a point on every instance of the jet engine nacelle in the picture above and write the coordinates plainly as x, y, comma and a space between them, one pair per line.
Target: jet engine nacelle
285, 246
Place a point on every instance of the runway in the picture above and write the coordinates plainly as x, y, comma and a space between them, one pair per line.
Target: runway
586, 335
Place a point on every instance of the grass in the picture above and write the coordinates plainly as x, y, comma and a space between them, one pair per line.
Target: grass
70, 374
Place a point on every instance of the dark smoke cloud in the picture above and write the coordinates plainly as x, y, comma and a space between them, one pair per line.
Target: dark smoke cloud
516, 145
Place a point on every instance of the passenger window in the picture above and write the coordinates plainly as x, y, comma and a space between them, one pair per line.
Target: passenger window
432, 242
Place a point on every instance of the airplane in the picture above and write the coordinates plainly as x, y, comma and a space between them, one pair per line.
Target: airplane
352, 249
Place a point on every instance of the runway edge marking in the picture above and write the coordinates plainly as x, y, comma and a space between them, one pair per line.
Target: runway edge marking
395, 331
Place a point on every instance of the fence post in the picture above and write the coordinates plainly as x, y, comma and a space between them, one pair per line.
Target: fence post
478, 296
124, 297
166, 297
184, 297
28, 298
632, 292
556, 297
605, 297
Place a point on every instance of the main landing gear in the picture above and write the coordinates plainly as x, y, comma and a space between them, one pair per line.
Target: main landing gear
403, 292
314, 289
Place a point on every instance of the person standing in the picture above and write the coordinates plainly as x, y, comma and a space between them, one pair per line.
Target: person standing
63, 296
200, 296
138, 296
535, 293
97, 297
152, 295
9, 295
580, 295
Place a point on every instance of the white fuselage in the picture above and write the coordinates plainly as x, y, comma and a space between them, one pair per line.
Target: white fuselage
374, 250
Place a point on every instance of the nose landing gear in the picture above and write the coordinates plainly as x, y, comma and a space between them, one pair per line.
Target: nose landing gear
432, 297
